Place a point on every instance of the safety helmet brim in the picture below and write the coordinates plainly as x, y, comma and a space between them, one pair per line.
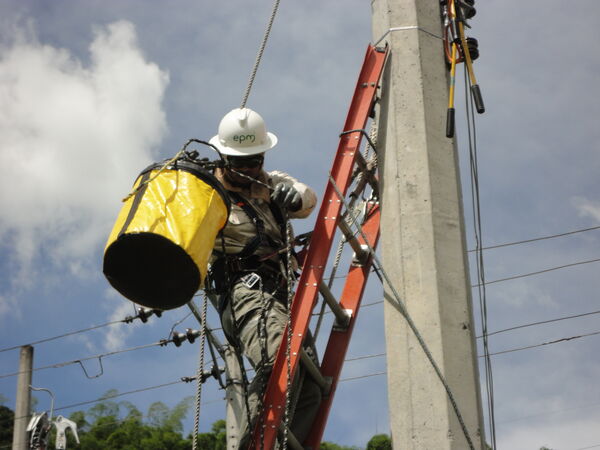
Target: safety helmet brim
270, 142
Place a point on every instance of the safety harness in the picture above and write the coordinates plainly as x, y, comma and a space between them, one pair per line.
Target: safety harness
226, 267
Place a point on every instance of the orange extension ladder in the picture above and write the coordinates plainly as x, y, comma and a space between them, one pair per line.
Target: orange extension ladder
348, 160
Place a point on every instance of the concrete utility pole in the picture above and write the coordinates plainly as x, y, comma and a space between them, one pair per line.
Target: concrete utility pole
23, 402
423, 236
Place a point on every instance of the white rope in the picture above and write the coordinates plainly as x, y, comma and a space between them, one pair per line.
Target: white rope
260, 53
199, 376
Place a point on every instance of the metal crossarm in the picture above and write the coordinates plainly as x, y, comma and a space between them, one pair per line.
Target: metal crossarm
310, 282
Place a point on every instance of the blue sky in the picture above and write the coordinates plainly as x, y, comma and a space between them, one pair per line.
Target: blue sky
93, 91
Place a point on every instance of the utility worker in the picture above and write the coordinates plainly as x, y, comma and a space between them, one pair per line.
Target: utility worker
249, 266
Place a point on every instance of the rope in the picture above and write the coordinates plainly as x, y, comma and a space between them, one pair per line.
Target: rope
261, 371
336, 262
288, 349
199, 376
350, 218
237, 350
167, 163
402, 308
260, 53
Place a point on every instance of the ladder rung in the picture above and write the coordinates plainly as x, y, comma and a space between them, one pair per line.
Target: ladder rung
291, 439
323, 382
342, 316
360, 252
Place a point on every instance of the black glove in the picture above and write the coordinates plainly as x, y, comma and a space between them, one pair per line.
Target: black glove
286, 196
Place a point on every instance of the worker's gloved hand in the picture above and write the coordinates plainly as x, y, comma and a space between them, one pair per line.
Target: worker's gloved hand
287, 196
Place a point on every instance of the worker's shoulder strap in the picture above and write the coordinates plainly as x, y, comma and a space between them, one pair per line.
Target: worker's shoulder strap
255, 242
261, 235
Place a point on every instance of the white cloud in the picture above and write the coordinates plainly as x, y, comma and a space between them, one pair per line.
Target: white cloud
116, 335
559, 433
587, 208
72, 138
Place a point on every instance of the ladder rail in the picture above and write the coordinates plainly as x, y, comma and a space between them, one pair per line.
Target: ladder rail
339, 340
320, 246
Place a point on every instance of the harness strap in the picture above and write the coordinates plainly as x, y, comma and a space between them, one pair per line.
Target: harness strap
261, 237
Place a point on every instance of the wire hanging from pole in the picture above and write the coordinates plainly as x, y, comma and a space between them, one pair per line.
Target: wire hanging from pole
481, 285
260, 53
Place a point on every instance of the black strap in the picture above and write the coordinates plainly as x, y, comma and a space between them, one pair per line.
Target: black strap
261, 237
252, 245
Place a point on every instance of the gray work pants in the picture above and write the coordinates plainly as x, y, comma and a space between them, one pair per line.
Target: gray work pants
256, 309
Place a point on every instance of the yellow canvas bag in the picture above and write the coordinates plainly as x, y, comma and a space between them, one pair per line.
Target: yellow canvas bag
157, 253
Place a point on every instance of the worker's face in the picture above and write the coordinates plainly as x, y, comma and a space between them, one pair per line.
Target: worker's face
245, 165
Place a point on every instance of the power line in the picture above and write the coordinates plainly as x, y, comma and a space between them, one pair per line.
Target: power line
99, 357
71, 333
541, 323
134, 391
476, 211
537, 239
362, 306
142, 313
556, 411
109, 397
557, 341
585, 448
538, 272
364, 376
364, 357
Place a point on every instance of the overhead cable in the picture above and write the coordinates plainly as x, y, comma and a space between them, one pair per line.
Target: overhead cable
71, 333
357, 358
508, 244
549, 412
363, 376
541, 323
142, 314
162, 342
539, 272
557, 341
481, 286
134, 391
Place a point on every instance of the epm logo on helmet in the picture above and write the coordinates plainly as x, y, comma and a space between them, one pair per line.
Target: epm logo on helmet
244, 137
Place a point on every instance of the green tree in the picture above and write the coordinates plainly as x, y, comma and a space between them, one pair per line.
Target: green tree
7, 417
216, 439
332, 446
380, 442
114, 425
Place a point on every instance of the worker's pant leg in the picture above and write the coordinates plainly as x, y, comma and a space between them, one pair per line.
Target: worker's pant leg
247, 304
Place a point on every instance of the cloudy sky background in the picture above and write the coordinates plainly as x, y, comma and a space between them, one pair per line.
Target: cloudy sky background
93, 91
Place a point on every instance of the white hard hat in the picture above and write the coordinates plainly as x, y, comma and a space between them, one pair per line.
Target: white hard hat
242, 132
